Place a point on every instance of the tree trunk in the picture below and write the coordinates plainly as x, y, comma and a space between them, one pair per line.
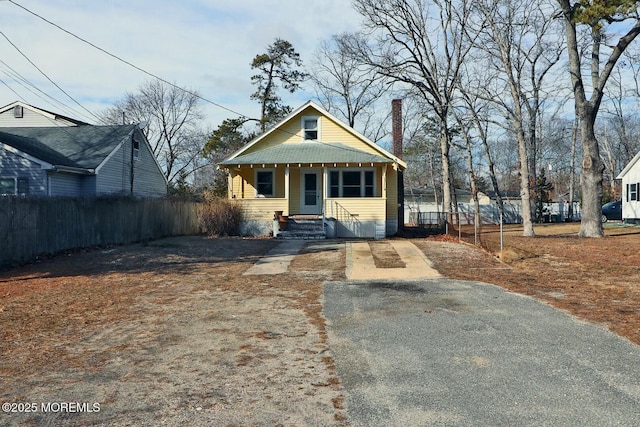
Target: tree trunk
446, 181
591, 182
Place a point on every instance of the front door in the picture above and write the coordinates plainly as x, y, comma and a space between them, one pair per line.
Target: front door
310, 193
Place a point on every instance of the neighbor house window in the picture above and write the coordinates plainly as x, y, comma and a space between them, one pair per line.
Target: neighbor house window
265, 183
632, 192
310, 128
352, 183
18, 112
23, 186
7, 186
136, 150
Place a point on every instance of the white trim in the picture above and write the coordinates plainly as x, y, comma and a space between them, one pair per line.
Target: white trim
303, 129
362, 182
317, 208
273, 183
629, 166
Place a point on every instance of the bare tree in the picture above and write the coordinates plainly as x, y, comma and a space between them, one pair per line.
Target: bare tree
421, 44
345, 86
522, 48
596, 17
172, 118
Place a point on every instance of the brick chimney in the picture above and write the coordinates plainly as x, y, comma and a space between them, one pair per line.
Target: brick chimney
396, 136
396, 127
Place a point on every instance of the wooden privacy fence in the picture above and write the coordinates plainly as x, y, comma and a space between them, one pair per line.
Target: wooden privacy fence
32, 227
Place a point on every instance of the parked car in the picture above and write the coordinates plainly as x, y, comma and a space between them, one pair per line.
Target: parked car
612, 210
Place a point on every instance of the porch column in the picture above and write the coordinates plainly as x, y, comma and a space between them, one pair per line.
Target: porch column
384, 182
325, 182
287, 178
232, 175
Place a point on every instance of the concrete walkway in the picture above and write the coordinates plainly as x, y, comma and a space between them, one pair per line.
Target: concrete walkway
361, 266
277, 260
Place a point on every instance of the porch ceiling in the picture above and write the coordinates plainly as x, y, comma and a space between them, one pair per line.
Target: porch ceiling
307, 152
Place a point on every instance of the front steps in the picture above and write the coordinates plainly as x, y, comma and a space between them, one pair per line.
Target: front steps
303, 227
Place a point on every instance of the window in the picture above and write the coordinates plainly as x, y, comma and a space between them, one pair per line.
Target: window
310, 128
136, 150
7, 186
23, 186
369, 187
264, 183
352, 183
13, 186
18, 112
632, 192
334, 184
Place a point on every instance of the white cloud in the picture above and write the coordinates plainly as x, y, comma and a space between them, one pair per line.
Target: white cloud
202, 45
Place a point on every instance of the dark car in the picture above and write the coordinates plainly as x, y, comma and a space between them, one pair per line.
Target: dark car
612, 210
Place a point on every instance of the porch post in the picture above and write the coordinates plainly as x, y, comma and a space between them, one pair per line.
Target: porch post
287, 178
232, 175
325, 181
384, 182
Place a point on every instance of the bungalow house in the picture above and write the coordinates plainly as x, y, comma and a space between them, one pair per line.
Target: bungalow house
313, 164
630, 177
78, 161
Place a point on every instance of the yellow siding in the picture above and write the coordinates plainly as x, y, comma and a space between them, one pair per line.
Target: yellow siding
294, 190
392, 193
363, 208
262, 209
291, 132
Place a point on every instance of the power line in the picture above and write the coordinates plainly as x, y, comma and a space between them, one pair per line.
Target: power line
25, 83
125, 61
45, 75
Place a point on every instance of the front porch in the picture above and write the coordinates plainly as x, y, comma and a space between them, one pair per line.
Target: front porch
341, 217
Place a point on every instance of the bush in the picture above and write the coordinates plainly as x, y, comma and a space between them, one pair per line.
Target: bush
221, 217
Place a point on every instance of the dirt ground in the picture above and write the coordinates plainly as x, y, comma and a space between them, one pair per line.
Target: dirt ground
170, 332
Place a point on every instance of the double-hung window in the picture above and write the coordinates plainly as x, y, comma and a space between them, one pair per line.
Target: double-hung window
310, 128
632, 192
265, 183
351, 183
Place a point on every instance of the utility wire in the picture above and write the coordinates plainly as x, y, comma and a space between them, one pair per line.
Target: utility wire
131, 65
22, 81
45, 75
125, 61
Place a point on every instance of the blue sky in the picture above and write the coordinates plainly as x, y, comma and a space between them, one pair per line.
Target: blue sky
198, 44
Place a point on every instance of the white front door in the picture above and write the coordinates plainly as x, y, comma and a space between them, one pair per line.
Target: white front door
310, 192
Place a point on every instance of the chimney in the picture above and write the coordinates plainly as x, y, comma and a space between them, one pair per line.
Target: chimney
396, 135
396, 127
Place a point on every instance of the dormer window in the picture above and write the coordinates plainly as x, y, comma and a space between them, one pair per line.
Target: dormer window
310, 128
18, 112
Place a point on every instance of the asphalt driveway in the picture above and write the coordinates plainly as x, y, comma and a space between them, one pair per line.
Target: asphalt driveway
446, 352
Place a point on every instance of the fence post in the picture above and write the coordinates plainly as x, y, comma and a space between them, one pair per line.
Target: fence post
501, 233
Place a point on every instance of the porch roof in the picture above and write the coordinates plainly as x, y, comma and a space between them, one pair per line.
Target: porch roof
307, 152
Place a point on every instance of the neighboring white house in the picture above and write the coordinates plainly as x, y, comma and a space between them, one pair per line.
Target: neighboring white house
19, 114
630, 177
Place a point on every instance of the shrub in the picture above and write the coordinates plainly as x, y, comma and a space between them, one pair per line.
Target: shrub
221, 217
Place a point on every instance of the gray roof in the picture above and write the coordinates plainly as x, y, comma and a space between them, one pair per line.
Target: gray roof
307, 152
84, 147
